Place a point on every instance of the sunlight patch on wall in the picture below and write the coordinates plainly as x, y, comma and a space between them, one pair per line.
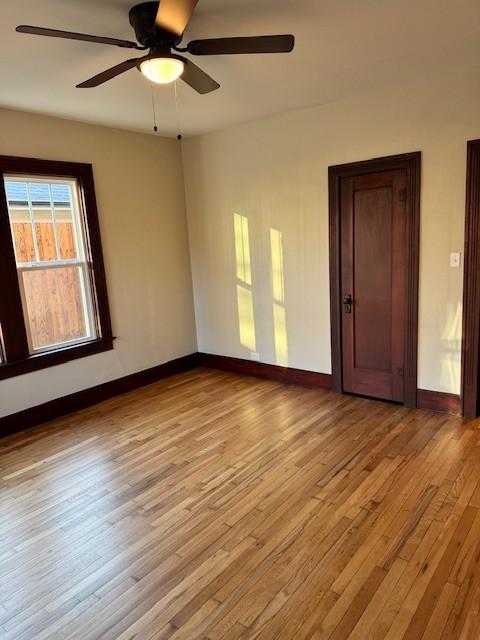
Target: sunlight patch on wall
278, 292
280, 332
242, 248
450, 368
246, 316
276, 246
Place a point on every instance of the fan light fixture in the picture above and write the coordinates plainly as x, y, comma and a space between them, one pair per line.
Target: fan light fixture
162, 70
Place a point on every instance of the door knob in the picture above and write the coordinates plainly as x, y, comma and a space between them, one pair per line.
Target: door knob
347, 303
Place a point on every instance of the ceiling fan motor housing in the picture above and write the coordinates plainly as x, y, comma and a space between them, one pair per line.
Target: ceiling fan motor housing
142, 18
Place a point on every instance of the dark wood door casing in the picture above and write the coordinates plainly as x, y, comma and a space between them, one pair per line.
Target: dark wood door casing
409, 164
470, 383
373, 249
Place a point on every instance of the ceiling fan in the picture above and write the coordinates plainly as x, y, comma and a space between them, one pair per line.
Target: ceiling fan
159, 28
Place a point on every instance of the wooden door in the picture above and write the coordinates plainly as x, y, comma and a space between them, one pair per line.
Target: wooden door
373, 283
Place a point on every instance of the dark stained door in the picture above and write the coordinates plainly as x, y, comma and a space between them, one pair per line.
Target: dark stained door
373, 279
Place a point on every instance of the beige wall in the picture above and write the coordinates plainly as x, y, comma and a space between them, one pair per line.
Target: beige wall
274, 173
270, 262
140, 197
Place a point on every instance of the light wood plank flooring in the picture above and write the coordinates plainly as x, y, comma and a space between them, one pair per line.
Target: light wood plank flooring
213, 506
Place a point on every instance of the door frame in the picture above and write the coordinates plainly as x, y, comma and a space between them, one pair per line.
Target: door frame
470, 374
411, 163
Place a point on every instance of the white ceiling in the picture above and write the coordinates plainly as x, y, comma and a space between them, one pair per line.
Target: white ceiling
342, 47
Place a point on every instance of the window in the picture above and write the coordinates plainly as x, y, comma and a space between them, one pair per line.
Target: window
53, 304
49, 245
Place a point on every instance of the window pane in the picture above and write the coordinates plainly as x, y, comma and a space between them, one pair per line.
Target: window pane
22, 235
39, 193
51, 209
17, 193
61, 195
66, 234
55, 305
44, 229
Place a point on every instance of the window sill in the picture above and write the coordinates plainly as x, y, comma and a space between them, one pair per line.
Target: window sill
53, 358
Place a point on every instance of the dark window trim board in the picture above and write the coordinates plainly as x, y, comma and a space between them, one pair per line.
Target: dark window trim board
411, 162
54, 357
66, 405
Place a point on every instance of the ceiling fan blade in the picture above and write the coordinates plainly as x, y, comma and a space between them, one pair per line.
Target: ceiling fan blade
254, 44
70, 35
174, 15
198, 79
108, 74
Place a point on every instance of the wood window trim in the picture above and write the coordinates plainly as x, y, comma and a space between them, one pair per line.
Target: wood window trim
18, 359
470, 368
411, 162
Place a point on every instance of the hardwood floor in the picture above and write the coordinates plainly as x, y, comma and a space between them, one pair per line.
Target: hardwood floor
211, 506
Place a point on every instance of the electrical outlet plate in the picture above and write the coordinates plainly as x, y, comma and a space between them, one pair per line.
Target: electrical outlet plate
455, 259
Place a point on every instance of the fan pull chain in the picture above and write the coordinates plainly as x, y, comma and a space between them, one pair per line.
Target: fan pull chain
155, 128
177, 111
